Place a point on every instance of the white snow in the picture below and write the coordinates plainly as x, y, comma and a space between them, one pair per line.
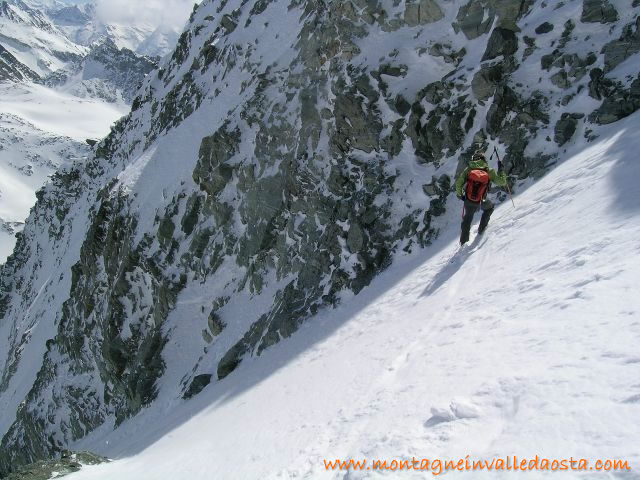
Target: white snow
59, 113
525, 343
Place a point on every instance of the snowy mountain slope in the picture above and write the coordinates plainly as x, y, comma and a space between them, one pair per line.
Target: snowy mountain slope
107, 72
40, 131
281, 158
30, 37
27, 157
125, 36
69, 16
73, 106
84, 25
12, 70
159, 42
525, 344
96, 68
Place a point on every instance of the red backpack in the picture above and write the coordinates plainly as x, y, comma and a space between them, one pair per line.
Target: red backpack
477, 184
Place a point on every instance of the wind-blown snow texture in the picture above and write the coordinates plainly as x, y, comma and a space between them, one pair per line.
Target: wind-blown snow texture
281, 158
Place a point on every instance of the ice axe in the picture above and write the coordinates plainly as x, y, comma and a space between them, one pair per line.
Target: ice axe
495, 152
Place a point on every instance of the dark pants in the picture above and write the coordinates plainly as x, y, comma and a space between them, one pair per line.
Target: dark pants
470, 208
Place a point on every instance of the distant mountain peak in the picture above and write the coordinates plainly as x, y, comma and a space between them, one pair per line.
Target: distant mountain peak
70, 16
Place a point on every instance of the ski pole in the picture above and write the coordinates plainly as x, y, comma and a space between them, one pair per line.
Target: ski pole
495, 151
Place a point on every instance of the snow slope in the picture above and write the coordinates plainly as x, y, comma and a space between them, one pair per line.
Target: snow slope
30, 37
60, 113
525, 343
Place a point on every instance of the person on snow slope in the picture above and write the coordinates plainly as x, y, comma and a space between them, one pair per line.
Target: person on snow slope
472, 186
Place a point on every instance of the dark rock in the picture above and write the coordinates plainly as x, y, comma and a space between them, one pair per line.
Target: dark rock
228, 23
392, 144
617, 51
505, 100
402, 106
531, 47
546, 27
618, 105
422, 12
355, 238
435, 92
212, 172
547, 61
198, 384
600, 87
565, 129
68, 463
560, 79
446, 53
485, 81
215, 323
471, 19
501, 42
477, 16
569, 27
12, 69
598, 11
430, 190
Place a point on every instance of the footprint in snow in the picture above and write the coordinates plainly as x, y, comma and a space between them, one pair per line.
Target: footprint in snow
439, 415
457, 410
463, 409
632, 399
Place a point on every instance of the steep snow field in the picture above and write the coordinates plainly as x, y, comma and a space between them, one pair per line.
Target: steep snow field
524, 343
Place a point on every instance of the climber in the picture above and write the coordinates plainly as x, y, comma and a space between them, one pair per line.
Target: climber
476, 180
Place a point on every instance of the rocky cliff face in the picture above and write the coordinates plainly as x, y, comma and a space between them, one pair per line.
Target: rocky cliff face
283, 155
106, 72
11, 69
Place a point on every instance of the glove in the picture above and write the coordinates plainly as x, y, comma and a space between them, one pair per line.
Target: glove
500, 167
461, 196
